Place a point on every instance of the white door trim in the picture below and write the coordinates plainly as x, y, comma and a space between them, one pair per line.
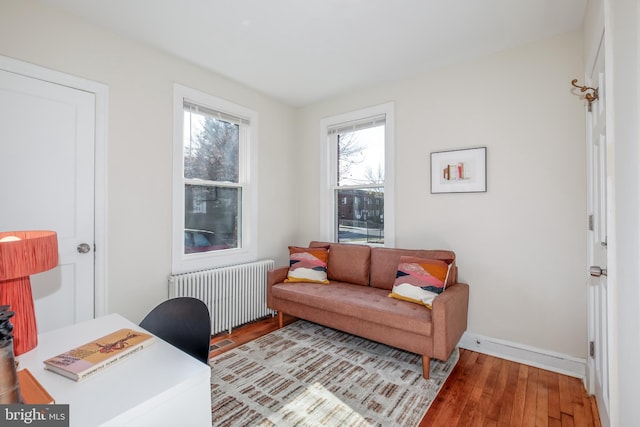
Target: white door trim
101, 95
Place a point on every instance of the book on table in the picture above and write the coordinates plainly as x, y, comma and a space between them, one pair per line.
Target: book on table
32, 392
93, 357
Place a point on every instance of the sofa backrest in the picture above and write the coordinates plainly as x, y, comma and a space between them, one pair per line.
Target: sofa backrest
347, 262
384, 264
376, 266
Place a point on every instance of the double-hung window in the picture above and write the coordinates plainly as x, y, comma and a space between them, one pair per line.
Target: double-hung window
214, 195
358, 183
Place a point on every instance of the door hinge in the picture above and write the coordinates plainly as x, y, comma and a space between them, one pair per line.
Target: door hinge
591, 222
592, 349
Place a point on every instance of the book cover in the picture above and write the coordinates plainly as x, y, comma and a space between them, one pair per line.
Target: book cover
33, 393
92, 357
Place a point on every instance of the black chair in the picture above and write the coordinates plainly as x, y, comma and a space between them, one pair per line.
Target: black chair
183, 322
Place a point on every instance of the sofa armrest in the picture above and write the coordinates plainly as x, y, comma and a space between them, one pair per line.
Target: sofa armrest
274, 276
449, 316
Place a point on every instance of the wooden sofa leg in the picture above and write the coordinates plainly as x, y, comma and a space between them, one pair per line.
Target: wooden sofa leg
426, 365
280, 319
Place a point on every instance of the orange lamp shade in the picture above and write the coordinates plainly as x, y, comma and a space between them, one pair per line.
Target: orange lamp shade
23, 253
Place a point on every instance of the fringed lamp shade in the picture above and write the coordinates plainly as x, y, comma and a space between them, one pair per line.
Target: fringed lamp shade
23, 253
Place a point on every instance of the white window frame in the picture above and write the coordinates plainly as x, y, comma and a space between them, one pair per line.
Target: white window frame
247, 250
329, 169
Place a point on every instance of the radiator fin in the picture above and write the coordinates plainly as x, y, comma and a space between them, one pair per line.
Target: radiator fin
235, 294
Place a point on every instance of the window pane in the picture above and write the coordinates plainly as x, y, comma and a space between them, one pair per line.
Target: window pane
361, 156
211, 148
360, 215
212, 218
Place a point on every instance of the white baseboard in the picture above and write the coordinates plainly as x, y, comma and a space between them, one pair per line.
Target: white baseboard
556, 362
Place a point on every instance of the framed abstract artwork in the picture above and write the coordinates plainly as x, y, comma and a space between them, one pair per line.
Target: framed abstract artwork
459, 171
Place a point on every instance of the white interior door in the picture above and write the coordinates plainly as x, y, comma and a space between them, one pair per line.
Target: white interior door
47, 143
599, 154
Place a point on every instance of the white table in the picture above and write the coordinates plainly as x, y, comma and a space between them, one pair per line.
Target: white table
159, 386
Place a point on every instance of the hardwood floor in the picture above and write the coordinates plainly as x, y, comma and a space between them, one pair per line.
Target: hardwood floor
481, 391
488, 391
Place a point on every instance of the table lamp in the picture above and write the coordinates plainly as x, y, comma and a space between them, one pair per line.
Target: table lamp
23, 253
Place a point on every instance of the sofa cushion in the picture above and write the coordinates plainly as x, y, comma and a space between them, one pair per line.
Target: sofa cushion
365, 303
307, 265
348, 262
420, 280
384, 264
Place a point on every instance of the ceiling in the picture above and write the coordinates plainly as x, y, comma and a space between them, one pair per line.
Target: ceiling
304, 51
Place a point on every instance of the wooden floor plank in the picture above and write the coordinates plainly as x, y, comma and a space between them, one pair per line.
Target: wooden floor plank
542, 404
470, 413
487, 393
566, 407
586, 406
567, 420
531, 398
580, 413
506, 409
594, 411
553, 385
481, 390
517, 414
554, 422
447, 401
455, 395
498, 392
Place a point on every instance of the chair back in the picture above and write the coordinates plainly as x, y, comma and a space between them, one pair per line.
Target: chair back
183, 322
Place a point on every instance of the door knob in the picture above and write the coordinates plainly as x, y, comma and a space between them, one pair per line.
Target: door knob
83, 248
596, 271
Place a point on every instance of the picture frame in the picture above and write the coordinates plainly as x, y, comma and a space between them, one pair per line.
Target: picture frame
459, 171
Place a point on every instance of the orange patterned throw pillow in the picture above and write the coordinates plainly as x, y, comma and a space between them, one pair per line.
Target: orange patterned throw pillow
308, 265
420, 280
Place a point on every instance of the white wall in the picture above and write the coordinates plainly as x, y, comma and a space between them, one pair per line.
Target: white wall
140, 131
521, 245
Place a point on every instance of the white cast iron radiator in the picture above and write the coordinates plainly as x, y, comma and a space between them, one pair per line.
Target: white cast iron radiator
235, 295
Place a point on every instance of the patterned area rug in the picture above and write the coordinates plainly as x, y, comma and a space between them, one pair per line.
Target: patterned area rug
308, 375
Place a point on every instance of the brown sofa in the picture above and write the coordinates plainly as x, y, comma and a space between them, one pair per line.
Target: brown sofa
356, 301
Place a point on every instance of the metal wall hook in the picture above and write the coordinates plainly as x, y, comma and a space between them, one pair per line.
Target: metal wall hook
590, 97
